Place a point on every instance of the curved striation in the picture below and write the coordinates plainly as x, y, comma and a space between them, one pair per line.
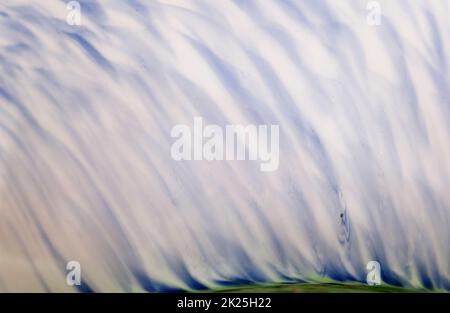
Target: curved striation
86, 114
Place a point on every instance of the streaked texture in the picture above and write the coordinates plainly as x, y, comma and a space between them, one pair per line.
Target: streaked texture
85, 119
